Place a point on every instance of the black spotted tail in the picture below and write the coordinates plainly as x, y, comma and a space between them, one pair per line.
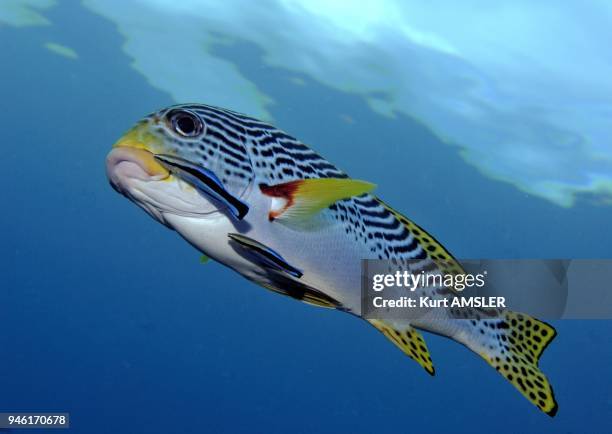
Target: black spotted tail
513, 346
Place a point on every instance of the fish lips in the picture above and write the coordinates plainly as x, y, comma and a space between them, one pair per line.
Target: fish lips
126, 163
204, 181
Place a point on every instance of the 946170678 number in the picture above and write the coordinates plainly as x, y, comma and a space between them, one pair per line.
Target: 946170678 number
34, 420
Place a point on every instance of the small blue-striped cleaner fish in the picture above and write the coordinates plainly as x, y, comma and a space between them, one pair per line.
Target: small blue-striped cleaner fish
259, 201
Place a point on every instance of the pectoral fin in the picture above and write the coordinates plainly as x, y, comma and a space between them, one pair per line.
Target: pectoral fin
267, 255
305, 197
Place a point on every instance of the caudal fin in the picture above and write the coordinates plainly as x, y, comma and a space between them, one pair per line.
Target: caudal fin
513, 345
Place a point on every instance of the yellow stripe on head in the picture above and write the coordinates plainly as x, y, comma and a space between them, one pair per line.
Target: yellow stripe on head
144, 145
140, 137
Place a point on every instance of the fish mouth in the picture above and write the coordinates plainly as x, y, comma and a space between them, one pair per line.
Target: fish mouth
133, 156
137, 161
125, 163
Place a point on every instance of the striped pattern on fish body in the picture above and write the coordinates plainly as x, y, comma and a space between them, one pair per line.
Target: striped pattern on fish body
277, 157
252, 159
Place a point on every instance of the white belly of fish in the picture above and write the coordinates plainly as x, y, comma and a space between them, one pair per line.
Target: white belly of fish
327, 256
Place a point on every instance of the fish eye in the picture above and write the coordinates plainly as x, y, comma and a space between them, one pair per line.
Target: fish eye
185, 123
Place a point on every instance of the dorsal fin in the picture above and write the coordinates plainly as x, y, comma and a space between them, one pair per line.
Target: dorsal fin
446, 263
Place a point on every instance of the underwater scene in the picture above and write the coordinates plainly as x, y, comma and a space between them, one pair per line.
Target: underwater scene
273, 145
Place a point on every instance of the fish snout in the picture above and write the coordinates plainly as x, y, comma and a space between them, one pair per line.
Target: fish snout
127, 163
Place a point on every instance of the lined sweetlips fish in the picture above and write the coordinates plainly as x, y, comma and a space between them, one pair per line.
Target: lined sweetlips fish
257, 200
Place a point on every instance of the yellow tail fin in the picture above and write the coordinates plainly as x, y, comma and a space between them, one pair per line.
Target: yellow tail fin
511, 344
522, 339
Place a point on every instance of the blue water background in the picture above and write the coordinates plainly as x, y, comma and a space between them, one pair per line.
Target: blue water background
106, 314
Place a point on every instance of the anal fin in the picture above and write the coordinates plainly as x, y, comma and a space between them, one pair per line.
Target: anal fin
409, 340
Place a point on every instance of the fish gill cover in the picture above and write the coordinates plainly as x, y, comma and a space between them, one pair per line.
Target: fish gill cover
522, 88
